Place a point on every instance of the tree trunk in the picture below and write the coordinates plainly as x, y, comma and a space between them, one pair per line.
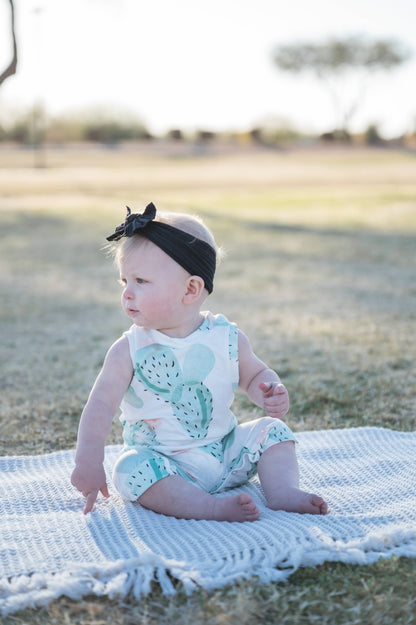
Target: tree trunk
11, 69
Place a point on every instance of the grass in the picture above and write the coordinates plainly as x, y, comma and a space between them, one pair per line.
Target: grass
319, 272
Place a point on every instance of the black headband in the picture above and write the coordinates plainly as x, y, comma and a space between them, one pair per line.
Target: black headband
191, 253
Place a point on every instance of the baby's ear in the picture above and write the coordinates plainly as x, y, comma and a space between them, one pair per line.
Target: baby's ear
195, 287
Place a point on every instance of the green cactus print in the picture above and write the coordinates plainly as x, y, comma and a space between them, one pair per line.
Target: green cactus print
214, 449
191, 401
139, 433
131, 398
194, 410
281, 432
141, 477
221, 320
140, 468
236, 461
233, 343
158, 368
198, 363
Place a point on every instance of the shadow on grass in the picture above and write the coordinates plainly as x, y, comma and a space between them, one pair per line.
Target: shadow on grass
332, 310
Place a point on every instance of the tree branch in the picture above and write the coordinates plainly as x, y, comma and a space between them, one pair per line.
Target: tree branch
12, 67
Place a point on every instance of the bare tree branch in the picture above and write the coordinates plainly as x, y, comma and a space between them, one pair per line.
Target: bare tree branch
12, 67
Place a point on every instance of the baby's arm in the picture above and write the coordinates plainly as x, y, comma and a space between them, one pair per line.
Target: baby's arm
112, 382
259, 382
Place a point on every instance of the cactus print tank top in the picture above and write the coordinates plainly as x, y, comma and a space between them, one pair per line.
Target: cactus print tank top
181, 393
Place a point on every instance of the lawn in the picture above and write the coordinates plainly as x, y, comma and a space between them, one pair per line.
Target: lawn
319, 271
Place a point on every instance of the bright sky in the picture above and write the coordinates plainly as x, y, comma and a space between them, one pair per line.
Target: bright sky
198, 64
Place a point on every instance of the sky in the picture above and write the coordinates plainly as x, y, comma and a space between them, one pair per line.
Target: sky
193, 64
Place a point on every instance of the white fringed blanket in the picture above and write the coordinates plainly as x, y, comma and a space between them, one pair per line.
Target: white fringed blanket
49, 548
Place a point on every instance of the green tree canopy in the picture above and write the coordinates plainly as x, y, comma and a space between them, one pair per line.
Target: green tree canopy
334, 58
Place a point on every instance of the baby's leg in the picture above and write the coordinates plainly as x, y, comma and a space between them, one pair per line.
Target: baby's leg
175, 496
279, 476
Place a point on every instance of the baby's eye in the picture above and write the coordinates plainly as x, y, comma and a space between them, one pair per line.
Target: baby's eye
140, 281
122, 281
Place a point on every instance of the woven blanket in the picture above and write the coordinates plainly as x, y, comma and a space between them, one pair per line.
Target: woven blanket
50, 548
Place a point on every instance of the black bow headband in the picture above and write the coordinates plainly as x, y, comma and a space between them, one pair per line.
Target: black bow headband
193, 254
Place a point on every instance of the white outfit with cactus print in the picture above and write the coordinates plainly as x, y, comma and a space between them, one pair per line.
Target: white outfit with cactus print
176, 413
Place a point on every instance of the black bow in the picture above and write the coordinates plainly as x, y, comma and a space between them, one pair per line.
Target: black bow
133, 223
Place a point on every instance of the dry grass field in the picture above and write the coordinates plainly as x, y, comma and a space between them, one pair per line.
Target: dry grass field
319, 271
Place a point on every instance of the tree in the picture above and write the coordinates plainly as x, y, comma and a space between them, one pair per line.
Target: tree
12, 67
333, 59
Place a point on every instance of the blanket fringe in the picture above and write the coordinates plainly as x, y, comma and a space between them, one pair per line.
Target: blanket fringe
116, 580
135, 577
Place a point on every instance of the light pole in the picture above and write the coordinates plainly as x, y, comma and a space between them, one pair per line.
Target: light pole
38, 113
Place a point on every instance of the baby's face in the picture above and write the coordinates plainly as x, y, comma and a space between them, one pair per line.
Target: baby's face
154, 287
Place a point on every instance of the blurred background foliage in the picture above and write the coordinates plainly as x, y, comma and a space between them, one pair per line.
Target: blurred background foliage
34, 127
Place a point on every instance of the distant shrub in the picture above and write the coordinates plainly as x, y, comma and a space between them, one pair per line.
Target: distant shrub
175, 134
113, 131
64, 129
27, 128
272, 135
35, 127
204, 135
20, 132
372, 135
337, 135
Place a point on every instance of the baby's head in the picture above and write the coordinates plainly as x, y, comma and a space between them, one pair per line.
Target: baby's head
185, 238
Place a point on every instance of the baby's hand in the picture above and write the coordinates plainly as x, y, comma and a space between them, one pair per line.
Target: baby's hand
90, 483
275, 399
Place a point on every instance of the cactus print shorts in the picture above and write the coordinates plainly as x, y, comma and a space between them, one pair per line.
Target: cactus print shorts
226, 463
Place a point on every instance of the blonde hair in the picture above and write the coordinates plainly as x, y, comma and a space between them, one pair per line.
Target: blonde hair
192, 224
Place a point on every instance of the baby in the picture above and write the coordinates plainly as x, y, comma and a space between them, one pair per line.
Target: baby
173, 374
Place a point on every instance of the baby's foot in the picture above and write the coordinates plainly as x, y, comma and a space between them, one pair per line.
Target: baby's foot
296, 500
236, 508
